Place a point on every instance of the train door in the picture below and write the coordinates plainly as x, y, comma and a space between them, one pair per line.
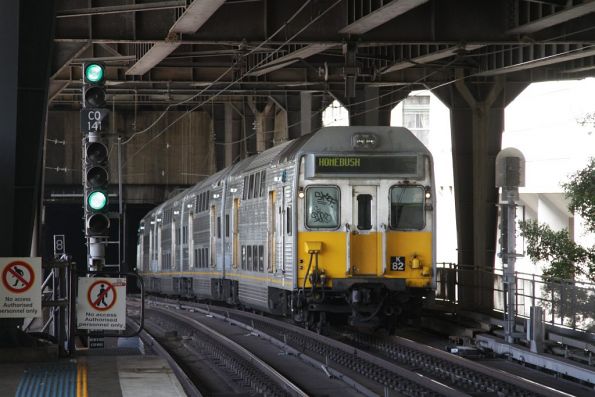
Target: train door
235, 233
175, 240
272, 231
364, 232
284, 226
159, 249
213, 250
190, 242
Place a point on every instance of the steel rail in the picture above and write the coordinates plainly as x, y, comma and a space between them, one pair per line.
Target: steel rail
187, 384
281, 380
494, 373
413, 377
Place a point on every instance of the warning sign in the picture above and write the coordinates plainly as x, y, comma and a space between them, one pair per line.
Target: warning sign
101, 304
20, 287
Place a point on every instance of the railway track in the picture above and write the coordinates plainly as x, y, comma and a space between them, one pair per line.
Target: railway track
381, 365
213, 363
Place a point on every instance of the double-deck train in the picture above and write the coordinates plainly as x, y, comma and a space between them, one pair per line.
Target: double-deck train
339, 222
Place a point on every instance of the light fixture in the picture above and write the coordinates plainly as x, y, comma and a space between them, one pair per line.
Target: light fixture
428, 192
364, 141
176, 212
233, 189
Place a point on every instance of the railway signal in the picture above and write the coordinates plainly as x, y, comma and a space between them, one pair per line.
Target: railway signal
94, 125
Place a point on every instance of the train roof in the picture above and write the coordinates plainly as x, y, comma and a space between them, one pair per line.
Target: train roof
325, 140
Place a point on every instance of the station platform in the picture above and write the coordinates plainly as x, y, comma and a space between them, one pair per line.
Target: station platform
111, 372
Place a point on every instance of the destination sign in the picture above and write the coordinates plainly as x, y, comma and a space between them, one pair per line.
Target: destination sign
395, 165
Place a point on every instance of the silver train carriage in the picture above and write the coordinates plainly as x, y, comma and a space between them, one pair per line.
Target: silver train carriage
337, 222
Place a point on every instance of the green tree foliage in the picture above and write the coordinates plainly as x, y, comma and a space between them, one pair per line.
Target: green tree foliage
565, 259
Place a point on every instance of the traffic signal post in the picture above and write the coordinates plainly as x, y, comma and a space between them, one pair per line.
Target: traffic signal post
94, 127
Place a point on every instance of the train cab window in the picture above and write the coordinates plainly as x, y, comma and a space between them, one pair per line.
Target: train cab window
407, 207
322, 207
364, 211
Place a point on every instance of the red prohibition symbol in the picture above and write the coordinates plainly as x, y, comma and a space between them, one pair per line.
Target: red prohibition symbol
102, 298
18, 277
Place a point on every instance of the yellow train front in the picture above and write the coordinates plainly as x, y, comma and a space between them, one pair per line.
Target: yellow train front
365, 221
339, 222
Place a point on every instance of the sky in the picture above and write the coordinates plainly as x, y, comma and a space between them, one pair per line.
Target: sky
542, 123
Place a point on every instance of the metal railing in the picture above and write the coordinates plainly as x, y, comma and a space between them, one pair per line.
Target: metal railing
565, 303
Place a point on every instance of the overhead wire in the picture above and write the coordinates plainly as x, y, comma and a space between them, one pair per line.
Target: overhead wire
330, 7
229, 69
314, 114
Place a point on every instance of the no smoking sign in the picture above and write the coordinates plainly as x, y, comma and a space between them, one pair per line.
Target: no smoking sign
20, 287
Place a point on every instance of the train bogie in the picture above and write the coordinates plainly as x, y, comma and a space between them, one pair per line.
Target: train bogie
339, 222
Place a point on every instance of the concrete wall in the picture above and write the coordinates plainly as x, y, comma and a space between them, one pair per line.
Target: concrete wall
180, 155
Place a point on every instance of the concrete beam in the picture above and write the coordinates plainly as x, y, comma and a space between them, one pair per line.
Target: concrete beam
431, 57
197, 13
381, 16
290, 58
536, 63
554, 19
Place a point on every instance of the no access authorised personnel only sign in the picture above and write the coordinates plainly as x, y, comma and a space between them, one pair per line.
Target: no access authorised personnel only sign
101, 304
20, 287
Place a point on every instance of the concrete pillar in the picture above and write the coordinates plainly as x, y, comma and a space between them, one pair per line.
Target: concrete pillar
477, 122
279, 120
229, 134
306, 112
372, 105
261, 111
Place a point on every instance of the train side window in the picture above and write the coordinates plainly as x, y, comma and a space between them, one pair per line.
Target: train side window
255, 258
261, 258
364, 211
262, 183
407, 207
218, 227
288, 215
226, 225
322, 207
195, 264
256, 185
243, 257
245, 192
251, 186
249, 258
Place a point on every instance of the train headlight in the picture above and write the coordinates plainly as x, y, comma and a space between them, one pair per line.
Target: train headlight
301, 193
428, 192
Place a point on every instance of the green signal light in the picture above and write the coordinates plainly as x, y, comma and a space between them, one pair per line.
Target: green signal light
94, 73
97, 200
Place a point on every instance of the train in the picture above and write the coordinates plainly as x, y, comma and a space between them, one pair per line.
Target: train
336, 224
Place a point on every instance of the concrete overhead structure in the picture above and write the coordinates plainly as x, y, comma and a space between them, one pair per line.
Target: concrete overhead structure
263, 71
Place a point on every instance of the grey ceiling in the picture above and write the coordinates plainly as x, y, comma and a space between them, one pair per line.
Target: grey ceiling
161, 53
